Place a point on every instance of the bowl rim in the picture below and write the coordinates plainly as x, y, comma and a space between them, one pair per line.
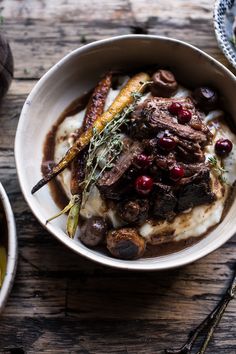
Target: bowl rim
12, 249
90, 254
222, 42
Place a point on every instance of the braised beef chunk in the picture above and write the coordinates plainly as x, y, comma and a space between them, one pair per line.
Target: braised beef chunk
152, 116
189, 192
193, 194
202, 174
189, 152
111, 184
183, 131
133, 210
152, 120
192, 169
185, 150
150, 145
117, 190
165, 162
164, 202
195, 190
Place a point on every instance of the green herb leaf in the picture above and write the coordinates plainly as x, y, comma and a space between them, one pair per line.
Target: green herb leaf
213, 161
111, 145
217, 169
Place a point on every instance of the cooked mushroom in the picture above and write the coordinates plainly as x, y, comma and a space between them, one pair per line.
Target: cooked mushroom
164, 83
126, 243
206, 98
133, 210
93, 231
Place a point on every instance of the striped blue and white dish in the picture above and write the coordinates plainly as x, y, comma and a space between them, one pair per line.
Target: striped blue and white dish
224, 12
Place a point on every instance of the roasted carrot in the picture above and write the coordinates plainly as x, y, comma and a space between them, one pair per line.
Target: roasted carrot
94, 110
124, 98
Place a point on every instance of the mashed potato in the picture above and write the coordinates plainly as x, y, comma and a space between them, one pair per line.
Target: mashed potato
192, 223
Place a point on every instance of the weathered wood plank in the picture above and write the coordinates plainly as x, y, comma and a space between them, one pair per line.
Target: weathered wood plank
143, 337
66, 27
62, 303
74, 9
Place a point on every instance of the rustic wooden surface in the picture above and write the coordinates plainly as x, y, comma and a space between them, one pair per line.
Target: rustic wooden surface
62, 303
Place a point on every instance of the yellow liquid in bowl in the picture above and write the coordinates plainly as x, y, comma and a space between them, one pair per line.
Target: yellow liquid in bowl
3, 264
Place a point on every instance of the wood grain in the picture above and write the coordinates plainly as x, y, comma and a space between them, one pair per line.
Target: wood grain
62, 303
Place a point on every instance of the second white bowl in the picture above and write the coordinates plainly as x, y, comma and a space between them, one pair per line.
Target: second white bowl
11, 248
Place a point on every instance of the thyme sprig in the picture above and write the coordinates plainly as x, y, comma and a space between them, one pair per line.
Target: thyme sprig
105, 147
220, 171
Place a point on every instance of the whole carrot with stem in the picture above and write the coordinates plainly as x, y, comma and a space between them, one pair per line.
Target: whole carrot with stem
95, 109
124, 98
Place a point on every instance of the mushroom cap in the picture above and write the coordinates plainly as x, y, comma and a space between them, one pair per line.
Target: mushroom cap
126, 243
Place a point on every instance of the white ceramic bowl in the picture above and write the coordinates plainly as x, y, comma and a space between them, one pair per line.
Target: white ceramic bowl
77, 73
12, 249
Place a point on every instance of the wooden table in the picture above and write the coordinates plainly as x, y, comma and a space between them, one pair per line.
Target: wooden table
62, 303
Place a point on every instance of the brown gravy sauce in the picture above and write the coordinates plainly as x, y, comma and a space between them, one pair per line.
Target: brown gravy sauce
56, 190
61, 199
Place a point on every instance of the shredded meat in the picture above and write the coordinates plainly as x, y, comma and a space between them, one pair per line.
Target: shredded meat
111, 183
152, 116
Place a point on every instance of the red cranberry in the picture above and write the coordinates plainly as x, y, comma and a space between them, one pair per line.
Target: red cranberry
144, 184
167, 143
184, 116
223, 147
143, 160
176, 173
175, 107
